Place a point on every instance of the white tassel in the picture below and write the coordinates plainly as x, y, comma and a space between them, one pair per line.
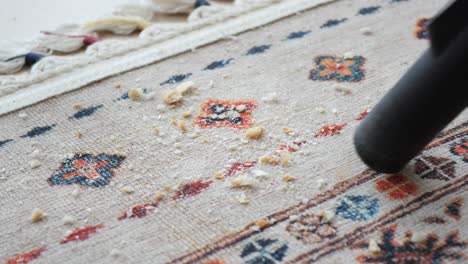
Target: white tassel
171, 6
253, 2
158, 31
116, 25
66, 38
203, 12
143, 12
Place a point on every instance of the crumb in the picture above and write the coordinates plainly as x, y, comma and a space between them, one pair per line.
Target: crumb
78, 134
172, 97
185, 88
186, 114
22, 115
373, 246
262, 223
417, 237
366, 31
285, 157
133, 94
210, 84
242, 199
293, 217
36, 153
117, 85
127, 190
155, 131
159, 196
255, 132
35, 163
270, 98
288, 131
320, 109
76, 106
288, 178
322, 184
342, 89
348, 55
167, 187
334, 111
181, 125
37, 215
68, 220
114, 253
219, 176
326, 215
75, 192
269, 160
243, 181
259, 173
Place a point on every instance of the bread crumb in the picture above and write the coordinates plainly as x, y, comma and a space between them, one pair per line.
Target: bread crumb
117, 85
255, 132
270, 160
366, 31
134, 94
186, 114
181, 125
262, 223
348, 55
127, 190
417, 237
373, 246
37, 215
288, 131
243, 181
75, 192
285, 157
219, 175
172, 97
167, 187
322, 184
36, 153
114, 253
326, 215
242, 199
259, 173
320, 109
22, 115
76, 106
288, 178
293, 217
35, 164
155, 131
159, 196
68, 220
185, 88
270, 98
78, 134
343, 89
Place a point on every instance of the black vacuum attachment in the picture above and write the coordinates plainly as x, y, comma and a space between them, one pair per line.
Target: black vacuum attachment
428, 97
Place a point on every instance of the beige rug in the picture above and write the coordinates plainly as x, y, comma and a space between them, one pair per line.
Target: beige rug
120, 176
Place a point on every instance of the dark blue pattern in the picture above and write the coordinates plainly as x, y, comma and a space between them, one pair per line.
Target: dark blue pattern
199, 3
463, 145
368, 10
176, 78
297, 35
3, 142
258, 49
102, 165
358, 207
264, 251
30, 58
37, 131
85, 112
218, 64
333, 22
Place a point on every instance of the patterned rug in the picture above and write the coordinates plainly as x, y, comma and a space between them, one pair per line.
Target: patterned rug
237, 152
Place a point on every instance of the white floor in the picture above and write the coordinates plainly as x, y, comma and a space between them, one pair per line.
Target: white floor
22, 19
